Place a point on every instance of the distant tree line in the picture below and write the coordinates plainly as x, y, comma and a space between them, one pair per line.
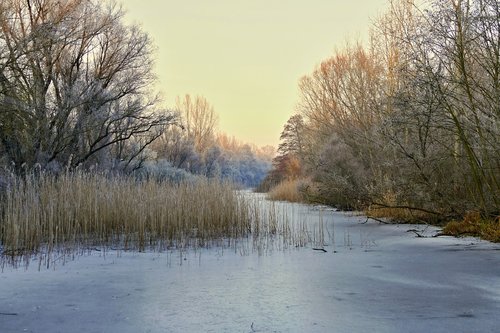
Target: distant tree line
75, 92
196, 147
412, 120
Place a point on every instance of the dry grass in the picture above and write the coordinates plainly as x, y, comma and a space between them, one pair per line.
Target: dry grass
474, 225
287, 190
86, 210
46, 215
399, 215
391, 209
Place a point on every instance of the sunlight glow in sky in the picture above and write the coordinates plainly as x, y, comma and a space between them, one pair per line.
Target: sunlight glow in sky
246, 56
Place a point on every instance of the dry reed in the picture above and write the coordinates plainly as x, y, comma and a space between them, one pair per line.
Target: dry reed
85, 210
287, 190
43, 215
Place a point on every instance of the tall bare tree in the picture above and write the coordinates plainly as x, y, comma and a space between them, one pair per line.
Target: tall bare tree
199, 120
74, 82
456, 58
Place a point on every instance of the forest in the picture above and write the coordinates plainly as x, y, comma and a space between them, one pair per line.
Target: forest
407, 126
76, 92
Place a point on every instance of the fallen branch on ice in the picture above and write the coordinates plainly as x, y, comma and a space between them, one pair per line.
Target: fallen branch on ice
318, 249
416, 232
375, 219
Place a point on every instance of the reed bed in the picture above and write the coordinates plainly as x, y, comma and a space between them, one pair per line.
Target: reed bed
287, 190
46, 215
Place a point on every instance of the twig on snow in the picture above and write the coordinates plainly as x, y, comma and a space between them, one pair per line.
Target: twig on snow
375, 219
416, 232
319, 249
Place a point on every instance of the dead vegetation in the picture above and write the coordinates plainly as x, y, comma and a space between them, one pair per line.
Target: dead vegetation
287, 190
46, 215
475, 225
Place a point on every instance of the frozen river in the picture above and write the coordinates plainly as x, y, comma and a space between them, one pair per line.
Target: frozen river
373, 278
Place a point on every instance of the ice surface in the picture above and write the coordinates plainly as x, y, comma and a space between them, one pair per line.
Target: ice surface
374, 278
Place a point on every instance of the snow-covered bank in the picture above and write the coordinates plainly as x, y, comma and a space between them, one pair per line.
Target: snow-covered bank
377, 278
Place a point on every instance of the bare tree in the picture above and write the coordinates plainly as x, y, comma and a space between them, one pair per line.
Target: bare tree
74, 82
342, 105
199, 120
175, 146
456, 58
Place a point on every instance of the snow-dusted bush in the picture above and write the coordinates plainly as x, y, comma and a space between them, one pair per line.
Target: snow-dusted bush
162, 170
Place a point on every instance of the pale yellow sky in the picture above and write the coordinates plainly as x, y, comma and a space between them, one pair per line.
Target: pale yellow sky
246, 56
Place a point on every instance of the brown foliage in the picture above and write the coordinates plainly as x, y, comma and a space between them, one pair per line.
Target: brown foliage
474, 225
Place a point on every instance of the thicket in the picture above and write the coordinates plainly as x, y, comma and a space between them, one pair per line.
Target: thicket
408, 125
